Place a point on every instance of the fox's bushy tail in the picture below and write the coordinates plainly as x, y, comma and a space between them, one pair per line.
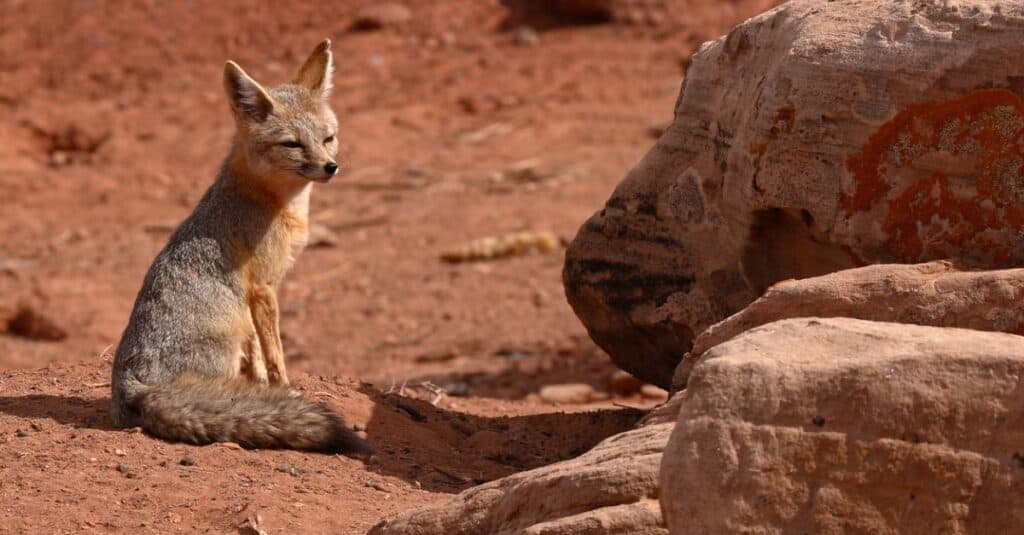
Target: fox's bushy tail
204, 411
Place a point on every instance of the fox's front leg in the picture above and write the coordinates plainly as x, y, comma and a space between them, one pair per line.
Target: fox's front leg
252, 364
263, 305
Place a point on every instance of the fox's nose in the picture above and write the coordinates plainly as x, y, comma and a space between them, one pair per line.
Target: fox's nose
331, 168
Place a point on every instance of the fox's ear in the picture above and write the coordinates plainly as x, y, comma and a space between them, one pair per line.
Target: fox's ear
247, 98
316, 72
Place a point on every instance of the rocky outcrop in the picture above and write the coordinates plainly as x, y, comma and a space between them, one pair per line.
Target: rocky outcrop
844, 425
934, 294
611, 489
816, 137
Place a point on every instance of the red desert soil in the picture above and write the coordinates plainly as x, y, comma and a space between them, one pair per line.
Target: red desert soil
453, 129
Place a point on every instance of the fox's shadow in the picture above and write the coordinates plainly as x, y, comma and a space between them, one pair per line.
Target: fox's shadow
91, 413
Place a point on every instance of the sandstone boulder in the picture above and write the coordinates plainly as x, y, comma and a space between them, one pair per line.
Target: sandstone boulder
611, 489
843, 425
934, 294
816, 137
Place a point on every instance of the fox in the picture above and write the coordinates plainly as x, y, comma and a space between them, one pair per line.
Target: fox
201, 359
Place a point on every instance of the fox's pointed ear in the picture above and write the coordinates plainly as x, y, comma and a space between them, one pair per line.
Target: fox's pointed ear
247, 98
316, 72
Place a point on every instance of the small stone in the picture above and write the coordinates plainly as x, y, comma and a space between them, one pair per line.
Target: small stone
187, 461
321, 236
526, 36
21, 433
123, 468
293, 471
653, 392
380, 15
35, 426
359, 427
120, 453
59, 158
373, 460
623, 383
378, 486
568, 393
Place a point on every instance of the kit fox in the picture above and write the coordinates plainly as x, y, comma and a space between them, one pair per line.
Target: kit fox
201, 360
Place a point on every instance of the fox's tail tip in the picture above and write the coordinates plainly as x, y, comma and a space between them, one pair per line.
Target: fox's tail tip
343, 440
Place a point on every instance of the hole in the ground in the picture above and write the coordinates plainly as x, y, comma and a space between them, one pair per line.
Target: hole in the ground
785, 244
69, 143
547, 14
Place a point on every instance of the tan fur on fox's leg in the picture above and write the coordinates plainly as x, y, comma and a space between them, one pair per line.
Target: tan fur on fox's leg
263, 304
253, 365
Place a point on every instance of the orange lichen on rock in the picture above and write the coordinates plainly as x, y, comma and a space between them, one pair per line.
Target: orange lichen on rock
950, 176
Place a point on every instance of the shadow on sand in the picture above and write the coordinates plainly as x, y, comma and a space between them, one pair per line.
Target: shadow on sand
448, 451
68, 410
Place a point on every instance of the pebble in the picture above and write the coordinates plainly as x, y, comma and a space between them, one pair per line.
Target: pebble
321, 236
380, 15
293, 471
187, 461
653, 392
568, 393
622, 383
526, 36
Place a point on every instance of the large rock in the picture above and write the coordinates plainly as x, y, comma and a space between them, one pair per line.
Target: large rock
818, 136
611, 489
934, 294
844, 425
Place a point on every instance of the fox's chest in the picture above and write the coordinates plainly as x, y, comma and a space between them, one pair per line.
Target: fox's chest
275, 253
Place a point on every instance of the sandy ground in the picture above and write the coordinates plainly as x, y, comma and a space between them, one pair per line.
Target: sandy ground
454, 127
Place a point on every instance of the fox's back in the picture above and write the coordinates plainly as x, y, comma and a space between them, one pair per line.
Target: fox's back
185, 313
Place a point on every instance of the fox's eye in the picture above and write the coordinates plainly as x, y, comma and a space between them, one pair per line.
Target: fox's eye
291, 144
328, 139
